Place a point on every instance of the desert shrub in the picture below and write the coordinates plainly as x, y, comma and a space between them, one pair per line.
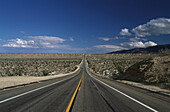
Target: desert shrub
121, 69
34, 66
164, 52
45, 72
74, 68
114, 74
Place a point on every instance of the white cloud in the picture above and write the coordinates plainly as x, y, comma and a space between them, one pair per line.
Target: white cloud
133, 44
108, 48
153, 27
134, 39
72, 39
138, 44
37, 42
108, 39
102, 49
137, 39
51, 39
104, 38
20, 43
150, 43
49, 45
48, 41
52, 45
125, 31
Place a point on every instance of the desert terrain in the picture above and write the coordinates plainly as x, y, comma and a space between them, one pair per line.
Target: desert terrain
18, 69
37, 64
149, 69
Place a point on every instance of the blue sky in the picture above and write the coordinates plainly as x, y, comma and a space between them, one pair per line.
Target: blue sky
82, 26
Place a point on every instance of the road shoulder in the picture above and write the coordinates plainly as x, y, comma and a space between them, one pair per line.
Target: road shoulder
16, 81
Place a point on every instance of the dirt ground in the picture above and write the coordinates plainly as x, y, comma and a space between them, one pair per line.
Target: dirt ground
19, 80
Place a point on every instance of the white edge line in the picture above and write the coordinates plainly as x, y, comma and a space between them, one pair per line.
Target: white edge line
122, 92
2, 101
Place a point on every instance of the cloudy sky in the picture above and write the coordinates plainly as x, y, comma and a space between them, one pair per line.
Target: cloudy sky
82, 26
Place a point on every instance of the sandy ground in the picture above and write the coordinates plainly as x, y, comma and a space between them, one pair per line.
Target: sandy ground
19, 80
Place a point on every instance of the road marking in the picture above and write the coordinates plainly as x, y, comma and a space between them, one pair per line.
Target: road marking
74, 95
122, 93
35, 90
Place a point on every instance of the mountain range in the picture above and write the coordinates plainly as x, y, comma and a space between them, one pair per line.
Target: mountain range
151, 49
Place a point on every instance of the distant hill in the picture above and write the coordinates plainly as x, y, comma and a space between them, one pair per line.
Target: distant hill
151, 49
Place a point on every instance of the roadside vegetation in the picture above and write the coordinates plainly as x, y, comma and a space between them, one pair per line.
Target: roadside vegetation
37, 64
145, 68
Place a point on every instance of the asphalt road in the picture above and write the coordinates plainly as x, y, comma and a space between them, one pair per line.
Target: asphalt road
54, 98
102, 95
94, 95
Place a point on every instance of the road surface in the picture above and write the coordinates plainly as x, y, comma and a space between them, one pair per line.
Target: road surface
82, 92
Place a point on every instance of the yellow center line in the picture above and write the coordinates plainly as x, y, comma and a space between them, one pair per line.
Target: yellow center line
74, 95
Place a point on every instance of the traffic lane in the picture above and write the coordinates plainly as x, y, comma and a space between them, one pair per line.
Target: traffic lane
89, 99
7, 93
94, 96
156, 101
117, 101
52, 98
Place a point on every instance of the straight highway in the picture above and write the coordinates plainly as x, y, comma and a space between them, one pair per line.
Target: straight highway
82, 92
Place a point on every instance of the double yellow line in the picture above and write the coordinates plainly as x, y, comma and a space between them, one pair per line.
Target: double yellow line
74, 95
